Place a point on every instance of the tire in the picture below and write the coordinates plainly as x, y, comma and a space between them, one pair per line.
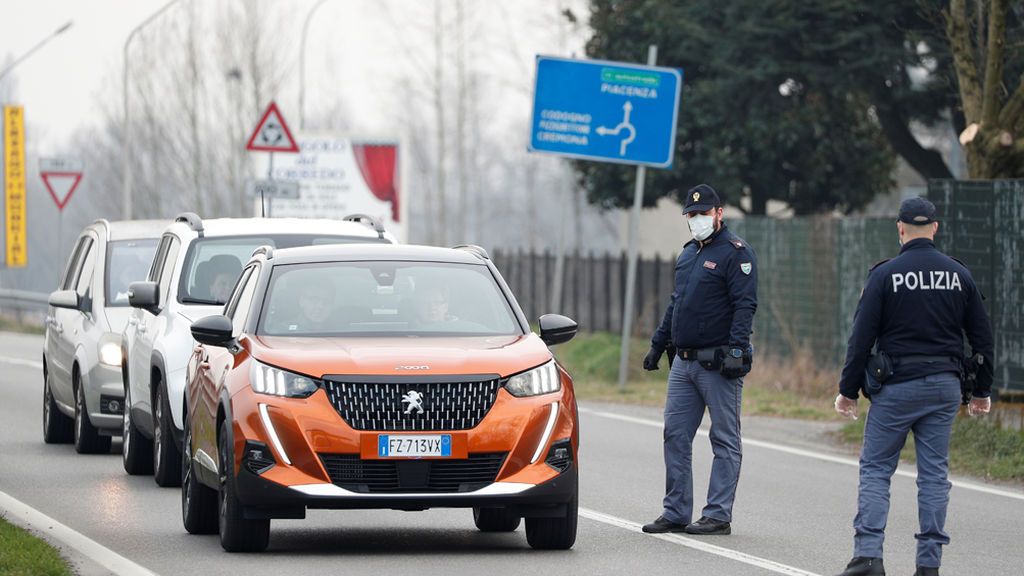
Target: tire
57, 428
495, 520
166, 456
236, 533
136, 449
198, 502
554, 533
87, 438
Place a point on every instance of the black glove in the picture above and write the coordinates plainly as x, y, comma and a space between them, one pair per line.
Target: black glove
651, 360
735, 364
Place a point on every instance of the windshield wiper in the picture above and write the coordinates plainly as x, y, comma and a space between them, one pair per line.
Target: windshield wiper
191, 300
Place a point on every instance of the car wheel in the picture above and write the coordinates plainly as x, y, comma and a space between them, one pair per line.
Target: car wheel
87, 437
136, 449
495, 520
554, 533
236, 533
57, 428
198, 502
166, 456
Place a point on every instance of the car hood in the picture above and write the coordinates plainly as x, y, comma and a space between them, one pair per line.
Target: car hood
117, 317
195, 312
317, 357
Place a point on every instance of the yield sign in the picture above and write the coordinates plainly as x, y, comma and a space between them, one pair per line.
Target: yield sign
61, 176
272, 134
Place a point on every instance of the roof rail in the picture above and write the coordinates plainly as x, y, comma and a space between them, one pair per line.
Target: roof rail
267, 250
106, 224
477, 251
373, 222
193, 220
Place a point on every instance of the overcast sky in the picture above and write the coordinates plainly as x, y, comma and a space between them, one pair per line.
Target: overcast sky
62, 84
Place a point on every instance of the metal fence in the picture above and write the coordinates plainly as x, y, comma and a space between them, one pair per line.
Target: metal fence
811, 273
982, 224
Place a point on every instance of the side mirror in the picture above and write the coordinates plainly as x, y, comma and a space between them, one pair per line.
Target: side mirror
145, 295
556, 329
65, 299
213, 330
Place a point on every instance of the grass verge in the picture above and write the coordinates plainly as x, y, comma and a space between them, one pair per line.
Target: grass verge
8, 325
794, 389
22, 554
977, 447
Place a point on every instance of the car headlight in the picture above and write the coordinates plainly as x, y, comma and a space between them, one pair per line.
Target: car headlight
543, 379
110, 349
269, 380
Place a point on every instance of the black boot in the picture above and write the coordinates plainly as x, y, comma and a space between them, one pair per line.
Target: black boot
661, 526
926, 571
861, 566
709, 527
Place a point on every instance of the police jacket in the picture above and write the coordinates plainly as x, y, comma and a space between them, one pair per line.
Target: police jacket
919, 303
715, 295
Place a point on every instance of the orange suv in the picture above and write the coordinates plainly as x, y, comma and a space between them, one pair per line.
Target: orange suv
374, 376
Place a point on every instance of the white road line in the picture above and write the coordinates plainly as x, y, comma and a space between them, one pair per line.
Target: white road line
20, 362
808, 454
93, 550
696, 544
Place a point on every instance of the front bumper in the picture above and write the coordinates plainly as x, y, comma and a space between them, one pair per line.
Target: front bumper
302, 434
266, 499
104, 397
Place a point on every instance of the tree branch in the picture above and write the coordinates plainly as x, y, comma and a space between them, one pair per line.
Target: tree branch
1012, 116
925, 161
994, 64
958, 31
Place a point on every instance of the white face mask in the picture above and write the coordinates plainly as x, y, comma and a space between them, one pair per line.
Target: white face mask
701, 226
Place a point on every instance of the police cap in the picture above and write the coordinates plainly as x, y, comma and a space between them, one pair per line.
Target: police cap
701, 198
917, 211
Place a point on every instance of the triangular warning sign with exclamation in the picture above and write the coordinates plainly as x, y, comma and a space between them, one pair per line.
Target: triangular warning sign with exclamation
61, 185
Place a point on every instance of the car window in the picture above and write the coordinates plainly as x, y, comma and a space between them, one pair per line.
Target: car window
74, 261
212, 265
170, 258
242, 299
385, 299
127, 262
85, 272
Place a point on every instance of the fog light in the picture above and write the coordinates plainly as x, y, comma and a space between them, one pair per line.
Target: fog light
111, 404
560, 455
258, 458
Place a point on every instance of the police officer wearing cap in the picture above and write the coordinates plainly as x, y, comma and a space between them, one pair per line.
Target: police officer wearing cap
708, 322
915, 310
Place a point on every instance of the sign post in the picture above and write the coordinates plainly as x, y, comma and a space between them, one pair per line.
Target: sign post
61, 177
609, 112
271, 135
14, 186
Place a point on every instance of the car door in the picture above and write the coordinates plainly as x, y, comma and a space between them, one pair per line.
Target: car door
66, 324
215, 363
142, 328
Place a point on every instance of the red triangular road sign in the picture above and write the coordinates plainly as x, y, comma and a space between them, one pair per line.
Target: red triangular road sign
61, 186
272, 133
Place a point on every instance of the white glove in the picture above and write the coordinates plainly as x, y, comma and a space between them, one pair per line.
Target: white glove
846, 407
979, 406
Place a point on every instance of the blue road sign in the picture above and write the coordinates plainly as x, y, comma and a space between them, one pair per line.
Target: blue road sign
607, 111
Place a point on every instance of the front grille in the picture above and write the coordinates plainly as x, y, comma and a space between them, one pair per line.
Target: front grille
379, 405
391, 476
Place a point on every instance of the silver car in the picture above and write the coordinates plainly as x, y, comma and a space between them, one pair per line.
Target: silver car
83, 391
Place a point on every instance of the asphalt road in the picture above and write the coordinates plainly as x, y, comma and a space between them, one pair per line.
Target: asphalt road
792, 516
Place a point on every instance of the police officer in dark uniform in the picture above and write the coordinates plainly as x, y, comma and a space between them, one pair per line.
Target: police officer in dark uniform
708, 322
916, 309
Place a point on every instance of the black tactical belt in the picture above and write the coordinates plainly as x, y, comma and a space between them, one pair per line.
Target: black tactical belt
691, 353
904, 360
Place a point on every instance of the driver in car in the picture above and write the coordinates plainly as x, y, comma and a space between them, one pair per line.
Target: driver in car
316, 309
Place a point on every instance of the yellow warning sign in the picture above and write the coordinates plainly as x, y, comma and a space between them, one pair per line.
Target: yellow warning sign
14, 186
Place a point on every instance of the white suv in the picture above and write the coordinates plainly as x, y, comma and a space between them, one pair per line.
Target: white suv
194, 271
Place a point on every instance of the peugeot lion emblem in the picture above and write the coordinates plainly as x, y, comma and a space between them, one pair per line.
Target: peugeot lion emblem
414, 400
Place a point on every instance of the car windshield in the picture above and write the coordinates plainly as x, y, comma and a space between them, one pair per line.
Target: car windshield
127, 261
212, 265
385, 299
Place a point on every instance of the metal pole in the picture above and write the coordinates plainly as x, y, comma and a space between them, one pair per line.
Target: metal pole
126, 163
634, 231
302, 66
41, 43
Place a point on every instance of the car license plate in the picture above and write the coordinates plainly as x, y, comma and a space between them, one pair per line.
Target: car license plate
413, 446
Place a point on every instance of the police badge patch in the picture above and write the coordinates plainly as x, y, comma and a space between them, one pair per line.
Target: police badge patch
746, 267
